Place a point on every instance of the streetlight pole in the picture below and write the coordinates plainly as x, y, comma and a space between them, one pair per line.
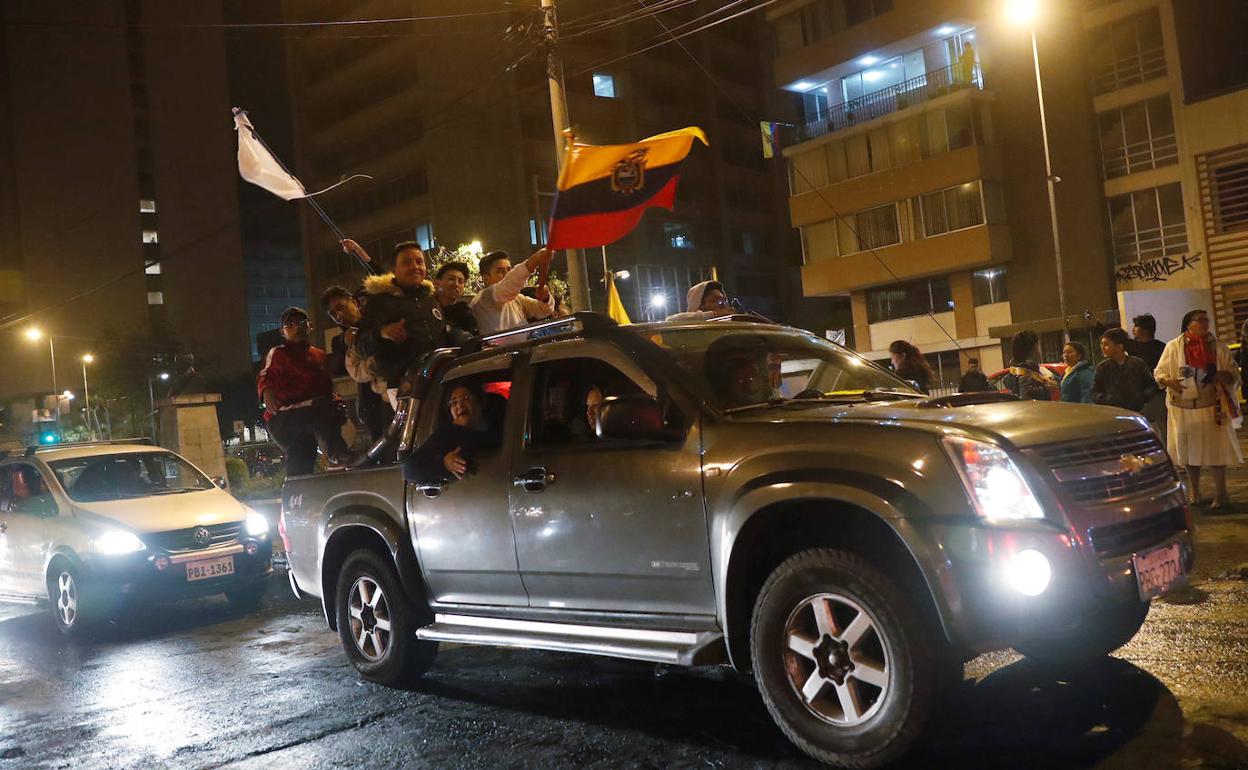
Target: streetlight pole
578, 283
86, 394
1051, 180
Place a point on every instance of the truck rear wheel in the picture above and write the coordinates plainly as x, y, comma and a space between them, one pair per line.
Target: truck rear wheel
1096, 638
377, 622
842, 659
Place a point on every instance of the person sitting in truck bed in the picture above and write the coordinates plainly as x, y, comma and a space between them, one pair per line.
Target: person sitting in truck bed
451, 451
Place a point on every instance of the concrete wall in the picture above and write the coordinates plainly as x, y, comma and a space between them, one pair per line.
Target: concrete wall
188, 426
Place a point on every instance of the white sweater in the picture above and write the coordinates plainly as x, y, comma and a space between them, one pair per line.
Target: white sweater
501, 307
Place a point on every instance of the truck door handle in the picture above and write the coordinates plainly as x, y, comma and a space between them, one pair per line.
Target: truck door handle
431, 490
535, 480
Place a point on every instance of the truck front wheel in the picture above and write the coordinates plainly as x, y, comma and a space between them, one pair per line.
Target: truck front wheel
842, 660
377, 623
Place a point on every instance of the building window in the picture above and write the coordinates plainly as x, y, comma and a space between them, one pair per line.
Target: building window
604, 85
152, 269
1126, 52
907, 300
147, 206
1230, 197
989, 286
678, 236
953, 209
155, 298
1147, 224
1137, 137
150, 236
424, 235
537, 231
870, 229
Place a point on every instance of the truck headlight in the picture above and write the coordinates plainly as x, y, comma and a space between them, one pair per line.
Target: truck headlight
256, 525
996, 486
117, 541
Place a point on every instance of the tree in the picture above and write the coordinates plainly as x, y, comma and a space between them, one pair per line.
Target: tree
127, 366
471, 256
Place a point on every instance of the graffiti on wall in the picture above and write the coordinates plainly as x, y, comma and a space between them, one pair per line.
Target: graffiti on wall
1157, 270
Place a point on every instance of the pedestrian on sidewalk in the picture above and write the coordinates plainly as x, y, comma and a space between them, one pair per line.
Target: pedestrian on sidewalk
1024, 378
500, 305
1121, 379
1077, 381
909, 364
299, 402
1145, 345
1201, 377
974, 381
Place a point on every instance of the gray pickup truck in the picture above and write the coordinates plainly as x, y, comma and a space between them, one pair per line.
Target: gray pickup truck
747, 494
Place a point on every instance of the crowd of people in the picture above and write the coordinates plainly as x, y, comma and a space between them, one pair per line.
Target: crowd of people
1188, 388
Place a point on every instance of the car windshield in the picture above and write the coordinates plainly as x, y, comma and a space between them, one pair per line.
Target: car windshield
742, 368
127, 475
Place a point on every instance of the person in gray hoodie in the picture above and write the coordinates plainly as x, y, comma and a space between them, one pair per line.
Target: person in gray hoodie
704, 300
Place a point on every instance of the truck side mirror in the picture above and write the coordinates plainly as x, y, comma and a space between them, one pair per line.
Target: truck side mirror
636, 417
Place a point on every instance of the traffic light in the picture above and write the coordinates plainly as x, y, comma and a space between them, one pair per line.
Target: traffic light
49, 438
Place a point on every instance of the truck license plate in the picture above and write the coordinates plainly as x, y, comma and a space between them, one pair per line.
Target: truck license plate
1158, 570
210, 568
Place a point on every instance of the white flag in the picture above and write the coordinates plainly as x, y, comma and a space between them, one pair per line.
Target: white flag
258, 166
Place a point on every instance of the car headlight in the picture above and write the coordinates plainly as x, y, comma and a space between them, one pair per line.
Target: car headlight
117, 541
256, 525
996, 486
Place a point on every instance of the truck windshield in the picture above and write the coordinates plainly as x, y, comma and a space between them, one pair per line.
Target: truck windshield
127, 475
741, 368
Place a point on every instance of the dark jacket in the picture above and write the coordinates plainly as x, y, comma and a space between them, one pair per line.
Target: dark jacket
461, 318
1128, 385
1025, 381
417, 308
1077, 384
915, 373
974, 382
1149, 352
425, 465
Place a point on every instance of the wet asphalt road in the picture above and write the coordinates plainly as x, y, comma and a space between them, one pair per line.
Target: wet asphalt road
200, 685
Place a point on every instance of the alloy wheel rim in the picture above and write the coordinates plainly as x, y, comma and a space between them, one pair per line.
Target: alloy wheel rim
836, 659
370, 618
66, 599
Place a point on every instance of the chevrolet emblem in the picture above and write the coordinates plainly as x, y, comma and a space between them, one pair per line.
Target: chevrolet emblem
1134, 463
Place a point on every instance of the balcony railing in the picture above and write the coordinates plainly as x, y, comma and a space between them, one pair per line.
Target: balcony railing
905, 94
1140, 156
1139, 67
1151, 243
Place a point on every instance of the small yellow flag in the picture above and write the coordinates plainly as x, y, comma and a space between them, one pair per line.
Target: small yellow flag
615, 308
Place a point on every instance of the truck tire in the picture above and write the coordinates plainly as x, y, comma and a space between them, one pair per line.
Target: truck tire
377, 622
1096, 638
842, 659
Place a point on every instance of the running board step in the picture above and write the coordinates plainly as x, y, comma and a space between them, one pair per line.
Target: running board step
679, 648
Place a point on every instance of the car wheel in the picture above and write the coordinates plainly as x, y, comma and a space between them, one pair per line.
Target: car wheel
70, 608
247, 597
842, 659
1095, 639
377, 622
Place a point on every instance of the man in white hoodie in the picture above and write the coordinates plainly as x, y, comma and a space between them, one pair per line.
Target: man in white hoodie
500, 305
704, 300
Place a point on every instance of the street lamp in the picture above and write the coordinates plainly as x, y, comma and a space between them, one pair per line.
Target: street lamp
87, 358
34, 334
151, 399
1024, 13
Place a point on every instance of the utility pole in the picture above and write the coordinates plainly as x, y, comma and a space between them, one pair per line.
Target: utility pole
578, 281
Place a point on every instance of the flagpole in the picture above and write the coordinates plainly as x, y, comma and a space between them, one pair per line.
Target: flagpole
311, 201
578, 284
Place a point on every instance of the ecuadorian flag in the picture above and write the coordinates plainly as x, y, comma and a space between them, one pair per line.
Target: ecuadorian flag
603, 191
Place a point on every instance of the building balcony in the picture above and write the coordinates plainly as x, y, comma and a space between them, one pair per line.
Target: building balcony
972, 248
908, 93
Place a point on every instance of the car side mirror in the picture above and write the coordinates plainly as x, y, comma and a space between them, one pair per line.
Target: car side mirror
636, 417
219, 481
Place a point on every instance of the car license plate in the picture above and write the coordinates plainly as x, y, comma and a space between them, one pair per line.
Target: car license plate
210, 568
1158, 570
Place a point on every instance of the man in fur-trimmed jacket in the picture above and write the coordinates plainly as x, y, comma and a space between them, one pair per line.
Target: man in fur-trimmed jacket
402, 320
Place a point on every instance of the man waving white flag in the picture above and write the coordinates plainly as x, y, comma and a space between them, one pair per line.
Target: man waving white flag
258, 166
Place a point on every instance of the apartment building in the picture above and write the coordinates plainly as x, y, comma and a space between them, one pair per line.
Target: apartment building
917, 173
1174, 150
452, 118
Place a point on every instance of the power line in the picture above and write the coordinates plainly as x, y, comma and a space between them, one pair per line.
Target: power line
835, 214
627, 18
258, 25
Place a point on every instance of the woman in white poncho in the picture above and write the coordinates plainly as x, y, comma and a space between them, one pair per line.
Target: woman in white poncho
1201, 378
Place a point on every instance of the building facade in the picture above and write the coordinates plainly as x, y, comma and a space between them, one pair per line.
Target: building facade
452, 118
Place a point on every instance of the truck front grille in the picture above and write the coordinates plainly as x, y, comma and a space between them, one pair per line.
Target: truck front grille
1089, 451
1101, 470
179, 540
1131, 536
1155, 479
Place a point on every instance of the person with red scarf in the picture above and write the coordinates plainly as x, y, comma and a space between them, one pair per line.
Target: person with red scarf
1201, 379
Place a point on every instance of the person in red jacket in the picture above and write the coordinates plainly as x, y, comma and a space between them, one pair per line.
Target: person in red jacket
298, 395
